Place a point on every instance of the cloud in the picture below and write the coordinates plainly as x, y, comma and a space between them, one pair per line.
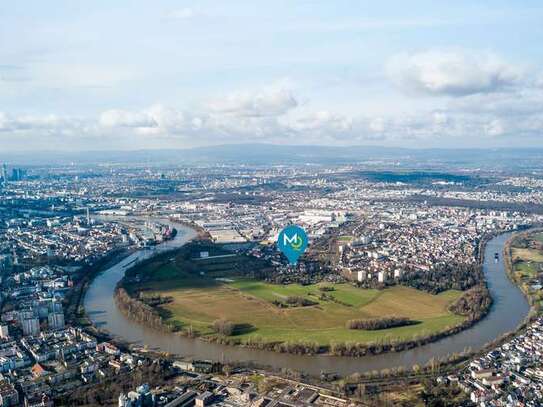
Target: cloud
320, 121
247, 114
452, 73
273, 114
495, 128
125, 118
157, 120
12, 123
161, 124
181, 14
522, 102
4, 121
270, 101
168, 118
377, 125
440, 118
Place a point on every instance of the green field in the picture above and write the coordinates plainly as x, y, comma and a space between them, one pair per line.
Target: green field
526, 270
527, 257
528, 254
200, 300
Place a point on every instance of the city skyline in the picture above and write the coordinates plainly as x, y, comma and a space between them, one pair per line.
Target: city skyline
188, 74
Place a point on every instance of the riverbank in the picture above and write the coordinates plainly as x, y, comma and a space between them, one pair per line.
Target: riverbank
142, 303
120, 259
508, 310
535, 304
141, 312
75, 311
76, 314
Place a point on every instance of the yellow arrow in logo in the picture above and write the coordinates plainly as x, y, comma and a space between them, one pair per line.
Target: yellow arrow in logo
297, 245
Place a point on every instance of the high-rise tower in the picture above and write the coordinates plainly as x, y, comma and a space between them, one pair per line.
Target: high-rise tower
4, 174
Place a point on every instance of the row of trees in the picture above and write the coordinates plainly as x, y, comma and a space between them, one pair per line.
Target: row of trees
446, 276
378, 323
258, 342
138, 310
352, 349
155, 300
356, 349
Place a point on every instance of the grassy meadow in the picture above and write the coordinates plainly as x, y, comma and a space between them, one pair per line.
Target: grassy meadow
198, 300
527, 256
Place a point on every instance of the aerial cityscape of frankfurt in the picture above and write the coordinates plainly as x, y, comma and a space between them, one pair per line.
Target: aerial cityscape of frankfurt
271, 204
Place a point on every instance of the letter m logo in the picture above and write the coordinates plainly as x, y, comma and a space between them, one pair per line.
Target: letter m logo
290, 240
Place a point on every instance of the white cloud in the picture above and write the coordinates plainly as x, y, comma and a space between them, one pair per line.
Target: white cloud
16, 123
440, 118
452, 73
319, 127
181, 14
377, 125
4, 121
273, 114
523, 102
153, 121
270, 101
125, 118
239, 116
165, 118
494, 128
322, 120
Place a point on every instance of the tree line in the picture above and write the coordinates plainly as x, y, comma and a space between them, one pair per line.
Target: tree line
444, 276
138, 310
378, 323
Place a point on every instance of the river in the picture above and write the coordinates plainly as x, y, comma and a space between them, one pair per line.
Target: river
509, 309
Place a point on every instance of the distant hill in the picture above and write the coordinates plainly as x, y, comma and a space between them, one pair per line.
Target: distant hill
267, 154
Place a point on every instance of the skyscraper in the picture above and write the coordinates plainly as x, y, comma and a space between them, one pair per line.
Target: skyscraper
31, 326
56, 320
4, 174
17, 174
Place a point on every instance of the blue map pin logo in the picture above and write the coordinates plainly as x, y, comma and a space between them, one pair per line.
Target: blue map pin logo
292, 241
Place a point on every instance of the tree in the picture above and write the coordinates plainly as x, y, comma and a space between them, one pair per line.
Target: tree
223, 327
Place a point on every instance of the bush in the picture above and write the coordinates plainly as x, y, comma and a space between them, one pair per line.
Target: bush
294, 301
474, 303
300, 301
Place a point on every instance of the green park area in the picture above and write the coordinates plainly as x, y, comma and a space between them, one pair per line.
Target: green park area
527, 261
200, 292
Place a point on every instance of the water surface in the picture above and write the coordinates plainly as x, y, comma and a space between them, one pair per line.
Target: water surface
509, 309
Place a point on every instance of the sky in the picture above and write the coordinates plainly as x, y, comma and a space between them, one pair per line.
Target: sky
110, 75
